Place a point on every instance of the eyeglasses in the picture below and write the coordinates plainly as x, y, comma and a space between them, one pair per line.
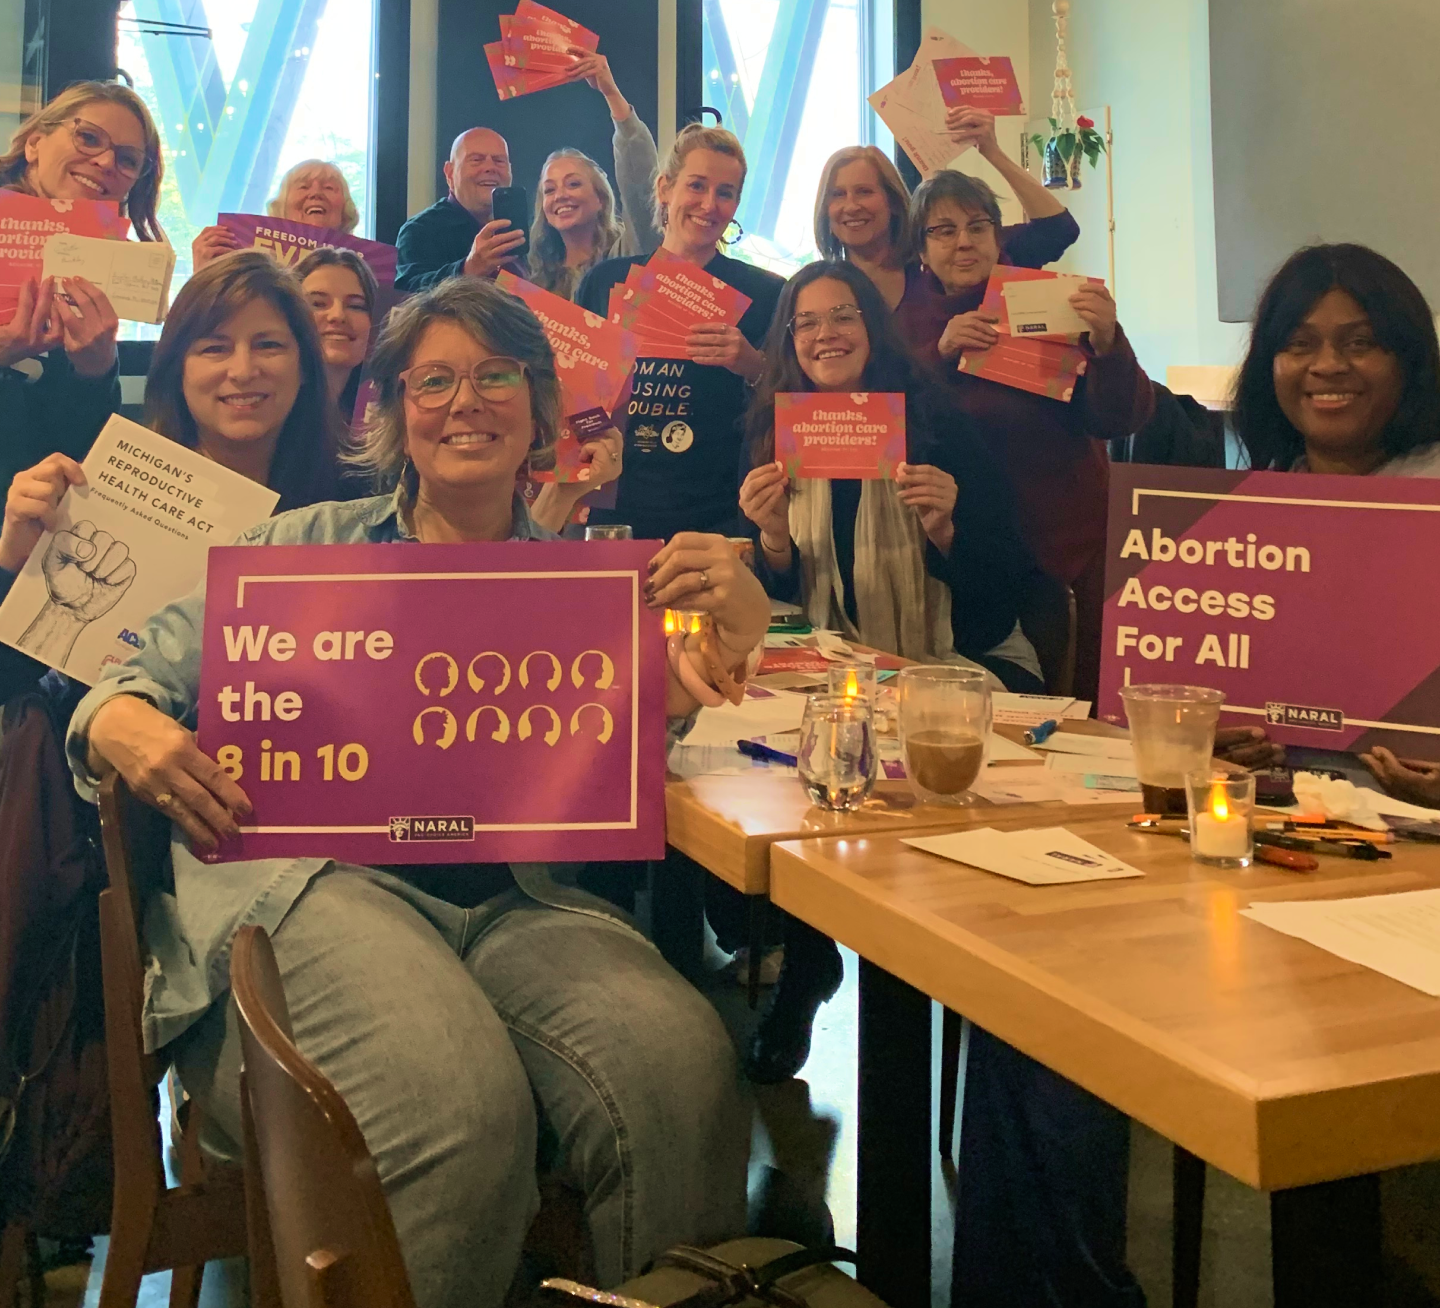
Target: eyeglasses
843, 318
92, 141
433, 385
945, 233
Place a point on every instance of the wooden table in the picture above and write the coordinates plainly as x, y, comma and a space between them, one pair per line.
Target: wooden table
1284, 1065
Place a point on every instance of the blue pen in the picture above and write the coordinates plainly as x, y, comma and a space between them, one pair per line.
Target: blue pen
1036, 734
754, 749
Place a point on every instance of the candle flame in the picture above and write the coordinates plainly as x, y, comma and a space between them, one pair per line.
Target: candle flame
669, 622
852, 686
1218, 805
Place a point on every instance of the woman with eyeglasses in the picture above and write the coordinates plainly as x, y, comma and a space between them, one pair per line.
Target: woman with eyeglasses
682, 429
460, 1011
862, 211
59, 377
929, 566
1053, 450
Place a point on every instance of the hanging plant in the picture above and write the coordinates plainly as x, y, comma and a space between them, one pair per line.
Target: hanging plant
1062, 153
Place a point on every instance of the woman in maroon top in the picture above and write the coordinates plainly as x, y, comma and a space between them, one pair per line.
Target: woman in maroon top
1053, 450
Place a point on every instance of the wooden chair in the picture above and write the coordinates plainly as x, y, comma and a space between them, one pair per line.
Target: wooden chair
152, 1227
320, 1229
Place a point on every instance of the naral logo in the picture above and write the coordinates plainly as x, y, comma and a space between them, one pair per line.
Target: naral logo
130, 638
1298, 715
432, 828
1031, 329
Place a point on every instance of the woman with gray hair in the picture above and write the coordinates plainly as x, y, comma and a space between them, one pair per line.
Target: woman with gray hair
458, 1018
313, 191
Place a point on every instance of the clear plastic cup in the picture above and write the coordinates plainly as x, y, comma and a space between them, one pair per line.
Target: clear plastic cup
1172, 729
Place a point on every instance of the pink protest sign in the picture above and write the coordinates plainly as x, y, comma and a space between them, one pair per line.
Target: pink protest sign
1304, 598
980, 82
438, 703
289, 242
833, 435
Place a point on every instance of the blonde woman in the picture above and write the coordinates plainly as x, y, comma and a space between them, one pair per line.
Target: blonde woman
58, 382
682, 438
313, 192
576, 225
862, 217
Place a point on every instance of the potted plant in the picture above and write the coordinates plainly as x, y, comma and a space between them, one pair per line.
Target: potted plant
1062, 153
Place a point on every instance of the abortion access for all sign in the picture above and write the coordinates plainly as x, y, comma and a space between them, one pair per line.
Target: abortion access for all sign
825, 434
440, 703
1308, 600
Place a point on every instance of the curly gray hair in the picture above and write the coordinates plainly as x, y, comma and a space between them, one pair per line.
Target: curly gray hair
498, 321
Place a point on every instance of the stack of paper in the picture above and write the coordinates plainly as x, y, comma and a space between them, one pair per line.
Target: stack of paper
27, 222
594, 360
531, 53
1030, 356
1031, 710
912, 107
135, 275
663, 300
1049, 856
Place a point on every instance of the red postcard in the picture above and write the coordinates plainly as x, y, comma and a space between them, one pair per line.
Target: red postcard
857, 434
627, 311
27, 222
533, 47
1042, 366
561, 30
593, 357
512, 81
476, 703
982, 82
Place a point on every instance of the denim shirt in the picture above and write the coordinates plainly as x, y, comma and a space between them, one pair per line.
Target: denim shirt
188, 931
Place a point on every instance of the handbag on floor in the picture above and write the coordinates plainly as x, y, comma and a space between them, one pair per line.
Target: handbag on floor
749, 1273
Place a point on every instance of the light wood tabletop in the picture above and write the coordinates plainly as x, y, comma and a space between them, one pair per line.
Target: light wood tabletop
727, 824
1272, 1059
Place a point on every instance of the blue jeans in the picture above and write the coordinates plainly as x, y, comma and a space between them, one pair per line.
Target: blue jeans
453, 1033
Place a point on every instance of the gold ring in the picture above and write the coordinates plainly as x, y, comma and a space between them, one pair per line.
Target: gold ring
163, 801
705, 579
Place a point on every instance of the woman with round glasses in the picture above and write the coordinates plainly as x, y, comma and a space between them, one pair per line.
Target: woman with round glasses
58, 372
862, 212
1053, 449
459, 1016
928, 566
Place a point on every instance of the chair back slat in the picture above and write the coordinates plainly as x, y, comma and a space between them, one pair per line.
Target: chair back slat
331, 1241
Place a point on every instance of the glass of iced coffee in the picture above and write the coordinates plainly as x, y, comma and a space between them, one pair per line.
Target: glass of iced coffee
944, 720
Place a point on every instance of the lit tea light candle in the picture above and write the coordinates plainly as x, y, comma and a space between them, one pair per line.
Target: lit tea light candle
1218, 832
853, 681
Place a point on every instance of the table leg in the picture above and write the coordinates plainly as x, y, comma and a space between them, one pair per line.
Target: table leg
755, 915
894, 1154
1325, 1243
1188, 1192
677, 912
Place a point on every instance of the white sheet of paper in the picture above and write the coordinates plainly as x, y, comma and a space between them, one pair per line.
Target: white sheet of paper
1040, 786
688, 761
155, 508
1047, 856
1007, 751
135, 275
1395, 935
1041, 307
1071, 742
751, 717
1091, 764
1031, 710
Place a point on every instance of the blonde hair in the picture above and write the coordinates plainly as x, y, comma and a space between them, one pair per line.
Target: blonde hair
144, 193
696, 136
349, 214
897, 194
492, 317
547, 246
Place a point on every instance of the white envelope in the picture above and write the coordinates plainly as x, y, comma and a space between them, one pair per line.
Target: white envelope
135, 275
1048, 856
1041, 307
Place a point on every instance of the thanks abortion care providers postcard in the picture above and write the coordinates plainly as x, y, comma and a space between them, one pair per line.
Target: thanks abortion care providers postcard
131, 540
833, 434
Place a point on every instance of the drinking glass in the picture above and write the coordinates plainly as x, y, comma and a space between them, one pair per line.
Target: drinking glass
609, 531
945, 714
837, 757
1172, 729
1221, 807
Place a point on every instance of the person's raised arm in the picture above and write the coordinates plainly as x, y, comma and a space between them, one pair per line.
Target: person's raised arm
976, 127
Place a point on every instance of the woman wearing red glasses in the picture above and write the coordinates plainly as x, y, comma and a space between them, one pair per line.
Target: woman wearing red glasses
58, 373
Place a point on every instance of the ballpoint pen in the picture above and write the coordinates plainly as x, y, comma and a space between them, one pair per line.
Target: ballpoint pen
754, 749
1043, 732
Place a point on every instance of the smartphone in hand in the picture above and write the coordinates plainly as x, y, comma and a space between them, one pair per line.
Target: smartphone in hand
511, 202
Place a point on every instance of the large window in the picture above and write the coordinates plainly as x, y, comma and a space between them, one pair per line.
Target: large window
243, 89
791, 78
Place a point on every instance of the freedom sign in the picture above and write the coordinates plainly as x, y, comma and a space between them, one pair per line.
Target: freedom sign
469, 703
1307, 599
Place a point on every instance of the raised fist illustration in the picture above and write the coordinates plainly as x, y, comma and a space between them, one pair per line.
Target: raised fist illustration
87, 571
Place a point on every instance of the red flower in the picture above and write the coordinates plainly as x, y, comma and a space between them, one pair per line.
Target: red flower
1082, 121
